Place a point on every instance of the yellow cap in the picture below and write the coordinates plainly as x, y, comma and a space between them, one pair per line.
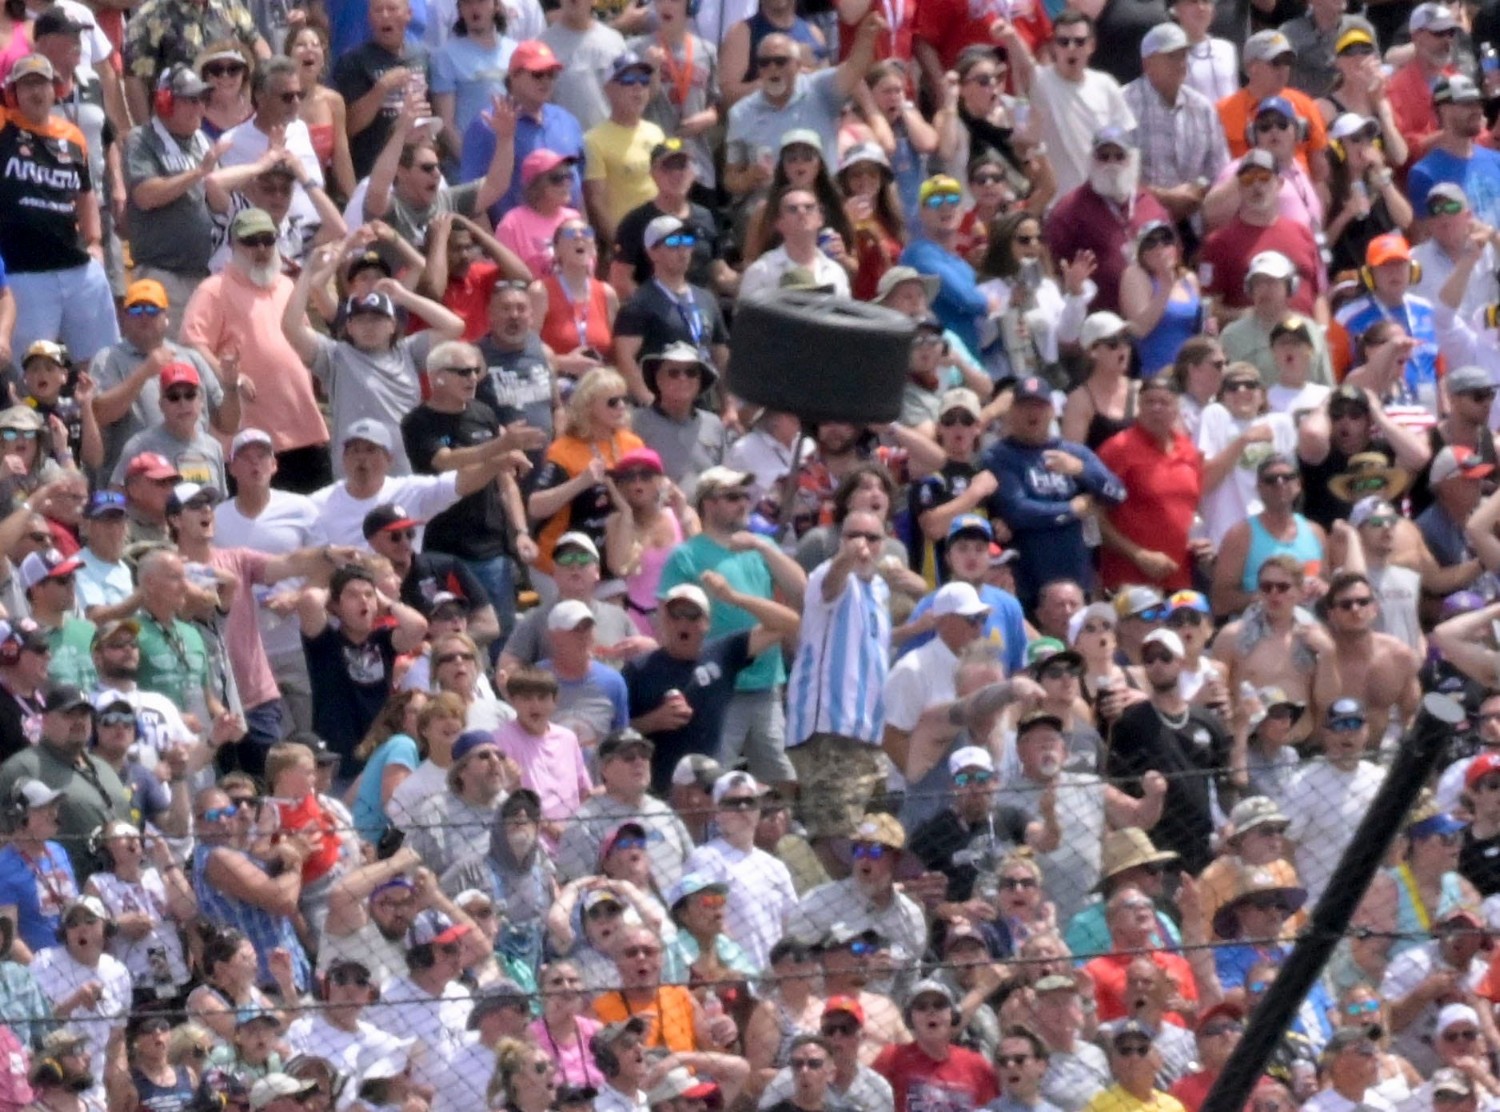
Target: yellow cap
937, 184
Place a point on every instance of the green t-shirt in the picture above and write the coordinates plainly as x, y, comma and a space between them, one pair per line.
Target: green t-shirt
174, 661
72, 653
746, 572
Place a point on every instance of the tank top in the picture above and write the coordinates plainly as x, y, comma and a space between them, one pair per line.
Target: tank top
1413, 923
16, 47
1178, 324
1101, 425
800, 32
322, 143
570, 325
1304, 546
163, 1098
640, 588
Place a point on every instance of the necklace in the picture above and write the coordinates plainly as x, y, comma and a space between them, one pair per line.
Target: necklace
1176, 722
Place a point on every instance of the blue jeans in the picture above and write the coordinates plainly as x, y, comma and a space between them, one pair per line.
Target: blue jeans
499, 580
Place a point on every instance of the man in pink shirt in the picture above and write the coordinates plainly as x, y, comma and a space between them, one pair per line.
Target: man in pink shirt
550, 757
235, 316
190, 521
1434, 29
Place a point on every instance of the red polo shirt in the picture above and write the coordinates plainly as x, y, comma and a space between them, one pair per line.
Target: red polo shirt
1410, 95
1163, 488
1108, 973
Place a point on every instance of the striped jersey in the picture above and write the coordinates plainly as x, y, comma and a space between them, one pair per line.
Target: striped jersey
842, 660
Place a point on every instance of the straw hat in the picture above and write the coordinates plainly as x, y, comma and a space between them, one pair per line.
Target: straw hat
1127, 849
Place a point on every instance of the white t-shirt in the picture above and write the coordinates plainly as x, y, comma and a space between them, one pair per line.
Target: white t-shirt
352, 1052
1235, 498
1304, 399
439, 1026
764, 275
98, 583
248, 142
342, 515
1323, 807
1407, 970
761, 895
1069, 112
288, 523
59, 975
920, 679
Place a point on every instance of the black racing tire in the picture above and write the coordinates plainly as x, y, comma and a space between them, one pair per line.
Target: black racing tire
821, 357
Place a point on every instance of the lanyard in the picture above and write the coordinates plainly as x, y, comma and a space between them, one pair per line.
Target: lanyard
681, 76
580, 308
1409, 882
687, 309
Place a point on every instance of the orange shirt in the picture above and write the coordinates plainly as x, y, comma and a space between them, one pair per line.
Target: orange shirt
1108, 973
566, 457
1236, 113
669, 1018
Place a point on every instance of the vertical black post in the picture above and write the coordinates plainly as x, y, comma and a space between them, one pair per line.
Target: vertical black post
1409, 770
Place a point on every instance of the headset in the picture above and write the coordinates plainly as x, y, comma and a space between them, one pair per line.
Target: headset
1367, 276
604, 1055
165, 100
16, 807
1492, 316
1291, 282
1299, 128
48, 1071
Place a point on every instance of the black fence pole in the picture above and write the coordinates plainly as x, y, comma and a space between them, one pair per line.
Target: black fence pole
1409, 770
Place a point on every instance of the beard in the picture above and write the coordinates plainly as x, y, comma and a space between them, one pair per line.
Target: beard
1164, 687
260, 276
1113, 181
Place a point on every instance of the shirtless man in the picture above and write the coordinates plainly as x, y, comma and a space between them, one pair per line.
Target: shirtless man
1278, 482
1376, 668
1269, 647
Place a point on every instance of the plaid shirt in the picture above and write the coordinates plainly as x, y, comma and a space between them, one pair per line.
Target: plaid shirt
1181, 142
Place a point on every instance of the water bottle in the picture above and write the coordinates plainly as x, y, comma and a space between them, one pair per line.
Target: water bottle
1489, 66
1247, 691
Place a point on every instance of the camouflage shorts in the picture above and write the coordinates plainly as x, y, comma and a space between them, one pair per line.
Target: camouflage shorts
837, 778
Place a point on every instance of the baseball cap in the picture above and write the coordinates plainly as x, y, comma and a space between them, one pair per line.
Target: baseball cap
1256, 158
1354, 36
960, 397
670, 147
542, 161
246, 437
1456, 89
1389, 248
185, 493
1044, 650
1167, 639
1256, 810
431, 927
717, 479
845, 1005
1446, 191
374, 304
627, 61
1431, 17
151, 466
533, 56
1366, 508
1350, 124
1100, 326
46, 349
689, 884
970, 756
37, 794
1279, 105
1032, 389
660, 228
864, 152
183, 82
1292, 324
697, 768
568, 615
623, 739
1480, 767
275, 1086
686, 592
1135, 601
574, 539
639, 459
48, 564
56, 20
971, 525
958, 598
1270, 264
939, 185
1112, 135
146, 291
32, 65
1037, 717
1463, 380
1452, 1081
1267, 46
104, 502
369, 430
737, 781
64, 697
1457, 461
369, 259
388, 515
1345, 708
178, 374
103, 633
1164, 38
252, 222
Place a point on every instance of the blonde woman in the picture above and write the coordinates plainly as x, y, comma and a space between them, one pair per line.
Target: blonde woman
439, 723
323, 109
570, 493
525, 1078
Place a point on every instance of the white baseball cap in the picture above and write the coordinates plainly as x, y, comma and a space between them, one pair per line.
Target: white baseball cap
958, 598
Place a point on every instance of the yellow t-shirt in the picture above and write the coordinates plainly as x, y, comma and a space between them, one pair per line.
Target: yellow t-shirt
1116, 1099
620, 157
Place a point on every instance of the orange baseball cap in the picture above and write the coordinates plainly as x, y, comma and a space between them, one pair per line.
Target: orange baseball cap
146, 291
1389, 248
846, 1004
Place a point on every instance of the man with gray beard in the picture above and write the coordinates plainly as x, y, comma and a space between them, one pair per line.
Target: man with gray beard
237, 314
1104, 215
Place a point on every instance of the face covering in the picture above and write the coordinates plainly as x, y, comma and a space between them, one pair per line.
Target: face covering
521, 842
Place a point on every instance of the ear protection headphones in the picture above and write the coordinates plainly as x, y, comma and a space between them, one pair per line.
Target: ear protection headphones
1367, 276
15, 806
165, 100
49, 1071
604, 1056
1299, 128
1492, 316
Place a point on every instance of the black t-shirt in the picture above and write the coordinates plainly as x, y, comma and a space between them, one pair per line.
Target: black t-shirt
707, 683
350, 683
432, 572
630, 242
20, 723
354, 75
1319, 504
1420, 492
70, 413
42, 175
1479, 863
944, 843
518, 382
1188, 757
475, 527
933, 491
659, 319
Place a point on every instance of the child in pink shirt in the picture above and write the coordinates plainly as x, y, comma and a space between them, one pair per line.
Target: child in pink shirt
550, 757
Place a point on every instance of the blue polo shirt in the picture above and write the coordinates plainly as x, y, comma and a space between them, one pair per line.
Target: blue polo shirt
958, 304
557, 130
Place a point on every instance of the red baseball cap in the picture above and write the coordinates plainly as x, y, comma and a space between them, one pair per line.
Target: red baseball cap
152, 466
846, 1004
541, 161
178, 374
534, 56
1480, 767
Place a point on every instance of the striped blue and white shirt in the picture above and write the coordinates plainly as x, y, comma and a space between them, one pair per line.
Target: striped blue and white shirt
842, 660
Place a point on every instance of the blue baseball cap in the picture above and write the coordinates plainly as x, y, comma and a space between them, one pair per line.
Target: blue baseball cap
1276, 104
1435, 825
470, 740
970, 523
103, 502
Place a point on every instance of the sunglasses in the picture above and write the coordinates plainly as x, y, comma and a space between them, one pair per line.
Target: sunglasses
680, 239
574, 560
609, 910
948, 420
711, 900
684, 613
264, 239
1240, 384
807, 1063
464, 372
1381, 522
181, 395
1445, 207
223, 69
643, 951
940, 200
1281, 478
1358, 50
117, 718
831, 1030
121, 645
1275, 123
1256, 176
577, 231
1214, 1030
1018, 882
215, 814
1183, 619
1362, 1007
633, 78
144, 311
1345, 725
1358, 603
27, 434
964, 779
740, 803
1485, 396
871, 851
986, 80
630, 843
1468, 1034
1155, 656
1274, 586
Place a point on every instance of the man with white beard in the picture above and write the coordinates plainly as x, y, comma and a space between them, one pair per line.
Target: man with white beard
237, 313
1104, 215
